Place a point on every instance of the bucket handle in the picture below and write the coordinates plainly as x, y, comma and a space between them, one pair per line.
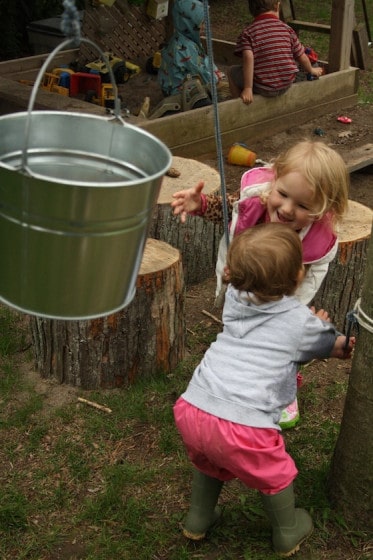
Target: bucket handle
35, 88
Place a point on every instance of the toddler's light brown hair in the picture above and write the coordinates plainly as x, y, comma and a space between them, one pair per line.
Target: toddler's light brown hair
266, 261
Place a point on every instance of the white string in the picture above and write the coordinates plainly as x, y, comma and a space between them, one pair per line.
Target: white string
362, 318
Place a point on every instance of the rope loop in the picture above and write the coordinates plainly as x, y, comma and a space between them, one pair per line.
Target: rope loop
70, 23
357, 318
362, 318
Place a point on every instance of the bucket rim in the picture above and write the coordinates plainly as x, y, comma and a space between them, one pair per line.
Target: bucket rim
95, 184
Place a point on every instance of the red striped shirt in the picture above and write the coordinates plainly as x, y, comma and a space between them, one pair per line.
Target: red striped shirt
275, 47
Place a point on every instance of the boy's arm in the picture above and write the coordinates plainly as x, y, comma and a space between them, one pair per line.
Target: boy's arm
248, 76
304, 61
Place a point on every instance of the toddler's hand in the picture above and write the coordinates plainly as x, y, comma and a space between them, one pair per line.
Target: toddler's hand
343, 348
186, 201
321, 313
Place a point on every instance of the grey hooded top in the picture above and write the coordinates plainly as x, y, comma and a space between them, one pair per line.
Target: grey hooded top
248, 375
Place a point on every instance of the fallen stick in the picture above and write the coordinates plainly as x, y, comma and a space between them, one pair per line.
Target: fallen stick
212, 317
95, 405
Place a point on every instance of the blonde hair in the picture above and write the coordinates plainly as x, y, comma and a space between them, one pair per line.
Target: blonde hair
265, 260
325, 171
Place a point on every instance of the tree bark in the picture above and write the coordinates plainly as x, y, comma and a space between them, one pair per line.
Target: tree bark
144, 339
197, 239
351, 474
343, 283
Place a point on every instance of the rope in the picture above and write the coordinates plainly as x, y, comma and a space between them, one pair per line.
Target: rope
357, 318
362, 318
70, 23
214, 97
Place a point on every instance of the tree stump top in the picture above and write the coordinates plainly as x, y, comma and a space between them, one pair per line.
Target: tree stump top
191, 172
356, 224
158, 255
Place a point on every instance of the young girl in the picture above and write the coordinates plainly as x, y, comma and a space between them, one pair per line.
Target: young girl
229, 414
306, 189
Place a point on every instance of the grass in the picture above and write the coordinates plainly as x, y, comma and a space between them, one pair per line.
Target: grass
79, 483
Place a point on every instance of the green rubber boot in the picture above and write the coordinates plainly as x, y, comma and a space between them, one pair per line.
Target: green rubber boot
203, 513
290, 526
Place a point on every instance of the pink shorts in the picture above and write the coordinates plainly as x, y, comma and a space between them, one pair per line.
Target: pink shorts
226, 450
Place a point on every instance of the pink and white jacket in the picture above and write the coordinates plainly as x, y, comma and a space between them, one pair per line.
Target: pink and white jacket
319, 241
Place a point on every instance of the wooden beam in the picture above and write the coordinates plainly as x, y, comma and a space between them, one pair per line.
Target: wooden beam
343, 16
287, 10
192, 133
30, 65
360, 51
359, 158
309, 26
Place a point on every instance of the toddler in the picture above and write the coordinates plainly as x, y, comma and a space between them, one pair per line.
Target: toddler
184, 55
229, 414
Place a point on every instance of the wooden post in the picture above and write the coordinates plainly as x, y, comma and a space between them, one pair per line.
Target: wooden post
343, 16
197, 239
144, 339
342, 285
287, 10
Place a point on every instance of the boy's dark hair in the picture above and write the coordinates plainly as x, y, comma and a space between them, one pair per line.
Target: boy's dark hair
258, 7
265, 260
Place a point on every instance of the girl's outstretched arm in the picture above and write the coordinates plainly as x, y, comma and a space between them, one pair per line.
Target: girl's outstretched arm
187, 201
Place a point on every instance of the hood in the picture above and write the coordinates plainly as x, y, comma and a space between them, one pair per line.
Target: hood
238, 307
187, 17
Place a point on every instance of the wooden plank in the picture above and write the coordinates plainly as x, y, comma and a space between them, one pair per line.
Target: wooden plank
343, 16
15, 97
359, 158
309, 26
192, 133
360, 47
287, 10
19, 67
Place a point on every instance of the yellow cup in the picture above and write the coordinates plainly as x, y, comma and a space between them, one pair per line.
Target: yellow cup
239, 154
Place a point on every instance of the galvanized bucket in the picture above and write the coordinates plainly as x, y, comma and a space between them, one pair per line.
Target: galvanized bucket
72, 232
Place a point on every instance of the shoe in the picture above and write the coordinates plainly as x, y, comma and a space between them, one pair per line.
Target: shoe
203, 513
290, 416
290, 526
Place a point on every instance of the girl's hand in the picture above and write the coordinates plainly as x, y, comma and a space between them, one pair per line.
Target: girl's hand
343, 348
187, 201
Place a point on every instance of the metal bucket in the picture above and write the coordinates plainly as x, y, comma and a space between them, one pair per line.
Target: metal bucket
73, 224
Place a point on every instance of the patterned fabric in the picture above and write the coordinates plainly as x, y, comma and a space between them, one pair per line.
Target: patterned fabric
275, 47
184, 54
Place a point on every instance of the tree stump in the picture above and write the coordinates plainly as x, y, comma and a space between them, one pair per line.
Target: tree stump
197, 239
144, 339
342, 285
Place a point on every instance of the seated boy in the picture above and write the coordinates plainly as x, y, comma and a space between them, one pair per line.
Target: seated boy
271, 53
